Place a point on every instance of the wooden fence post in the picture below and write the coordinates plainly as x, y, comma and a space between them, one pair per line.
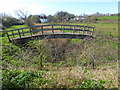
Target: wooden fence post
19, 33
83, 30
93, 30
79, 29
63, 29
52, 29
42, 29
30, 32
8, 36
73, 29
13, 34
22, 32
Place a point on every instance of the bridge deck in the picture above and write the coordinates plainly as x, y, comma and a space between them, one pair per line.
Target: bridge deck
47, 34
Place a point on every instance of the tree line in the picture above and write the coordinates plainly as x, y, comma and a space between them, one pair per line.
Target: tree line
25, 18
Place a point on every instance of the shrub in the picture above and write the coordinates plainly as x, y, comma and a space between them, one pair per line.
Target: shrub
20, 79
94, 84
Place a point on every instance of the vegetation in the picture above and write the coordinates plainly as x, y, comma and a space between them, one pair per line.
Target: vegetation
108, 18
63, 63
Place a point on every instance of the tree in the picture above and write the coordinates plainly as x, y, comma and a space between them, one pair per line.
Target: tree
22, 15
7, 21
97, 14
63, 16
50, 18
32, 19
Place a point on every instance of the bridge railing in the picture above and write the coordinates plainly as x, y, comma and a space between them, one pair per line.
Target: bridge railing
49, 29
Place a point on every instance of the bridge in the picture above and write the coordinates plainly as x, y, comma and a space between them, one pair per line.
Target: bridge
23, 35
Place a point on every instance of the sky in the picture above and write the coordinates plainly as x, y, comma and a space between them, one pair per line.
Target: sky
50, 7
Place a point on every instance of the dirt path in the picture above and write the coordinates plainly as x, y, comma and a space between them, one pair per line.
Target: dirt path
47, 27
52, 40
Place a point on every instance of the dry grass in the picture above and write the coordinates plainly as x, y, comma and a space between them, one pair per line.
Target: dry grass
66, 76
110, 75
73, 76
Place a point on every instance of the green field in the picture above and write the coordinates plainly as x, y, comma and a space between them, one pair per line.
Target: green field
108, 18
105, 29
16, 27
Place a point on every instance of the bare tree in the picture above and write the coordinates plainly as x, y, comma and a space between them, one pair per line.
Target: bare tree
22, 14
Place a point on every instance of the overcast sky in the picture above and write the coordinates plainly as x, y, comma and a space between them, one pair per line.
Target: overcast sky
77, 7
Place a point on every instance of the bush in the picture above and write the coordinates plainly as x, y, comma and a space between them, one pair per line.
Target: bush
94, 84
20, 79
9, 21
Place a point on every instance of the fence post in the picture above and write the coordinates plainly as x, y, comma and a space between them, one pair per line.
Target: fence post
42, 29
13, 34
83, 30
22, 32
52, 29
63, 29
79, 29
8, 36
30, 32
73, 29
19, 33
93, 30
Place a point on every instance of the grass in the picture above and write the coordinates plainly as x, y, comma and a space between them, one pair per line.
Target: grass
108, 18
69, 74
105, 29
76, 40
16, 27
16, 31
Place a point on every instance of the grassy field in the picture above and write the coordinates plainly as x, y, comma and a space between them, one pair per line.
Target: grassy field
64, 63
105, 29
108, 18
